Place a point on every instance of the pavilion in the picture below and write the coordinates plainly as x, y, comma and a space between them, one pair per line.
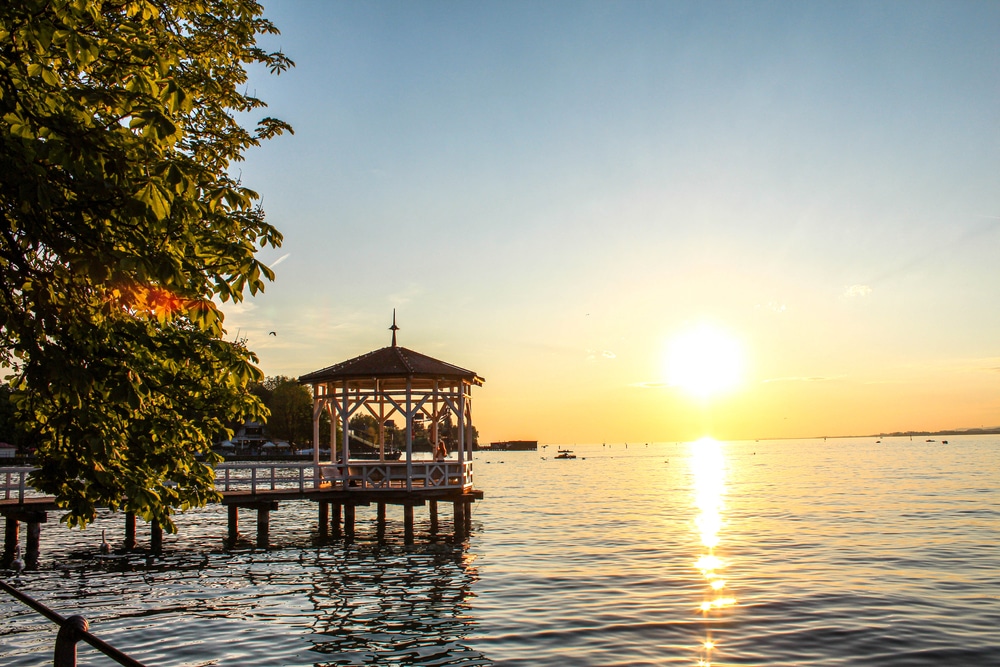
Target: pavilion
395, 381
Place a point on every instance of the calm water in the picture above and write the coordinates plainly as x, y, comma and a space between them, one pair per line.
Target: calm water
846, 552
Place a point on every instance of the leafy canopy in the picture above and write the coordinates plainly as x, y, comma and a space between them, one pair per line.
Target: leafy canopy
119, 225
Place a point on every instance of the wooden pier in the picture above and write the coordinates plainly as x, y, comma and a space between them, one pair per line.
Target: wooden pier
261, 487
391, 382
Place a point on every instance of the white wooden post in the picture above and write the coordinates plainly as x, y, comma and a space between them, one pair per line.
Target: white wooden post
461, 432
344, 427
409, 434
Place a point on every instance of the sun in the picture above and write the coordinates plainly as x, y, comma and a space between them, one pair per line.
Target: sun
704, 361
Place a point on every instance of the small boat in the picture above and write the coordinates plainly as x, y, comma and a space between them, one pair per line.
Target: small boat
565, 454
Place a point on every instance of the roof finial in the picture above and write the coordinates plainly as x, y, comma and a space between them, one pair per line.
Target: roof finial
394, 328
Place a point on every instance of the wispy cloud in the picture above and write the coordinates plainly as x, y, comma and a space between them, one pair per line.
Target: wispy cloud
593, 355
280, 260
857, 291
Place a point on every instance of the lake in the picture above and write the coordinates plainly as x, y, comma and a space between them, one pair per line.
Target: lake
791, 552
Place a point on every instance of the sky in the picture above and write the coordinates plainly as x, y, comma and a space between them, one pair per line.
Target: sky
552, 193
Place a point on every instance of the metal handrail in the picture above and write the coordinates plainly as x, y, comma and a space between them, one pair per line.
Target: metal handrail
71, 631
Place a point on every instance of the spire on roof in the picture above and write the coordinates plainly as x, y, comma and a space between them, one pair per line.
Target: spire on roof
394, 328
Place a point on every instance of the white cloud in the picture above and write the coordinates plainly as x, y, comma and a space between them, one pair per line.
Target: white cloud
859, 291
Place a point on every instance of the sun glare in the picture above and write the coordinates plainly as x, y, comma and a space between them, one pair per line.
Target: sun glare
704, 361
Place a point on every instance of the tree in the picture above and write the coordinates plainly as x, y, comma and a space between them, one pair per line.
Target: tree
119, 224
290, 405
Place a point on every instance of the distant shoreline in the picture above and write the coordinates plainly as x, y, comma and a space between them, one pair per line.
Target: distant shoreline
994, 430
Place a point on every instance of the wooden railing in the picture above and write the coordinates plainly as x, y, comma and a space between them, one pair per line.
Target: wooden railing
15, 480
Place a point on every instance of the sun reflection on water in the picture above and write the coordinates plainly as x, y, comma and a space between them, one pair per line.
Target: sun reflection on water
708, 467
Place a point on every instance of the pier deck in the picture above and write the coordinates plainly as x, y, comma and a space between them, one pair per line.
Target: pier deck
262, 486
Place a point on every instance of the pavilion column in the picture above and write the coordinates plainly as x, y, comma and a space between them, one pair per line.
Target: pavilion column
345, 427
381, 421
317, 413
469, 439
318, 406
409, 434
461, 434
435, 415
333, 431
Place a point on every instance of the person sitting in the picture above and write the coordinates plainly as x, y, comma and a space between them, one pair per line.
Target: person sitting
440, 451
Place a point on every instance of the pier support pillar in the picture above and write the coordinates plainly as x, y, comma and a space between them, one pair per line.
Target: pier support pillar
468, 518
408, 524
156, 537
324, 518
10, 536
380, 522
459, 519
432, 509
349, 521
234, 524
31, 551
335, 520
263, 526
129, 531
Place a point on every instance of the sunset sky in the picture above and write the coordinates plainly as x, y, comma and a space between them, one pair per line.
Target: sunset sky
551, 193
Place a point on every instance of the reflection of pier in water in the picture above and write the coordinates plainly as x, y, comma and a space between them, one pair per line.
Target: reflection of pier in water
401, 607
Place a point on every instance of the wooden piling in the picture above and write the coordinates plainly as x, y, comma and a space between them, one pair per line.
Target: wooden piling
468, 518
129, 531
459, 519
263, 526
335, 520
324, 518
349, 521
408, 524
31, 551
156, 537
432, 508
234, 524
380, 522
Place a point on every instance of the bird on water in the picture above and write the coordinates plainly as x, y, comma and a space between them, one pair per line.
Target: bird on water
18, 563
105, 547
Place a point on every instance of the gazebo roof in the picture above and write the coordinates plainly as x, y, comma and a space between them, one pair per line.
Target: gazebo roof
390, 362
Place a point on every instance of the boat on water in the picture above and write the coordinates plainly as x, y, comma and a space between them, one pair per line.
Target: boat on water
565, 454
